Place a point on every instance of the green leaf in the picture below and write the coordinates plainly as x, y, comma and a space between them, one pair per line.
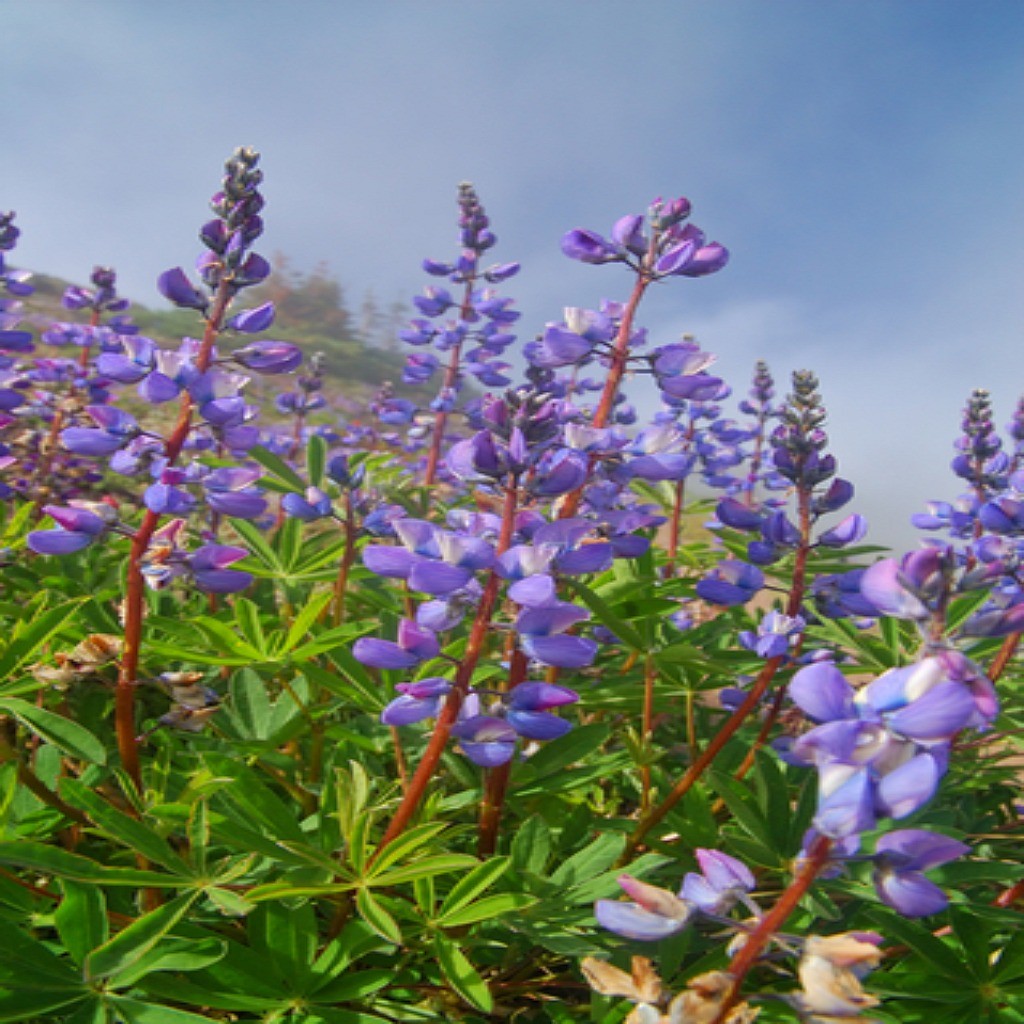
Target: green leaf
287, 937
250, 705
247, 617
482, 877
607, 616
27, 963
940, 957
372, 911
278, 468
462, 975
316, 457
531, 846
254, 540
306, 617
134, 834
405, 845
595, 858
29, 639
441, 864
17, 1007
574, 746
81, 919
354, 985
135, 1011
55, 861
69, 737
486, 909
122, 951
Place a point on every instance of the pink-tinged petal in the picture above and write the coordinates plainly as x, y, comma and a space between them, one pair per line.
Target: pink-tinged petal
415, 638
725, 872
880, 585
633, 922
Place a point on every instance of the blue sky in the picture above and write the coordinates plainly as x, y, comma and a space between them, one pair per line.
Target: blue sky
861, 158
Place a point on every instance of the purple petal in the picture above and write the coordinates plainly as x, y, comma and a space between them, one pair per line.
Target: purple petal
910, 893
822, 693
560, 651
383, 654
633, 922
58, 542
909, 787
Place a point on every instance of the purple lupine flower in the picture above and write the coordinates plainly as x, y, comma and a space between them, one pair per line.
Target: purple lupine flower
269, 357
419, 700
652, 914
527, 706
114, 429
589, 247
723, 880
78, 526
165, 497
314, 505
208, 568
485, 740
542, 635
776, 633
175, 286
883, 749
229, 491
901, 858
415, 645
730, 583
252, 321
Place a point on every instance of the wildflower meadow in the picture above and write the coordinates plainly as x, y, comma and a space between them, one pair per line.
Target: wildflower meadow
504, 696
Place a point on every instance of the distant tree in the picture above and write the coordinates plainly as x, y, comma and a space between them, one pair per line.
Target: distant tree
312, 301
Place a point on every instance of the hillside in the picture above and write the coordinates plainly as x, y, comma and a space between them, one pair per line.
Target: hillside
360, 348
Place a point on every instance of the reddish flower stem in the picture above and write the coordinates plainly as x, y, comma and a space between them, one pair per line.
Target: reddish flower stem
772, 922
135, 589
750, 703
451, 378
616, 371
497, 778
463, 677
